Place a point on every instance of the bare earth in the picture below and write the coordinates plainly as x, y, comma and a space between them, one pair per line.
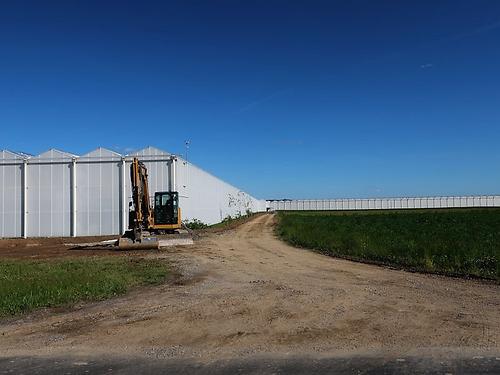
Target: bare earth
243, 292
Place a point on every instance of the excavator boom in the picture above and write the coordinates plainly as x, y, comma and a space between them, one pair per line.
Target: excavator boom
141, 218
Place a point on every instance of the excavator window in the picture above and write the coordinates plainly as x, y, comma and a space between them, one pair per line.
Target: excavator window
166, 204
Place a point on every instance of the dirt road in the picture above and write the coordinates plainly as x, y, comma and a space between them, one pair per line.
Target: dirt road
244, 292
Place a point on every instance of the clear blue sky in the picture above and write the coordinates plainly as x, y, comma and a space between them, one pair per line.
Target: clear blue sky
284, 99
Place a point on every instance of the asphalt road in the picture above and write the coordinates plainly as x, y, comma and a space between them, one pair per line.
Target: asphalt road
256, 365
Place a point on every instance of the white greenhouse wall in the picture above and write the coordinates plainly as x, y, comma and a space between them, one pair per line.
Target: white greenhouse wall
11, 198
48, 182
383, 203
61, 194
205, 197
98, 203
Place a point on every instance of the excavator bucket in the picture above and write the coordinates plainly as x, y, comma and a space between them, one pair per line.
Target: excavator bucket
145, 243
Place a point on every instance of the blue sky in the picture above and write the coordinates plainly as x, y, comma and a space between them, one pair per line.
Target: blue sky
284, 99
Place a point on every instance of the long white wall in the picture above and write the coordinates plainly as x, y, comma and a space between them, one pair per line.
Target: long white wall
205, 197
383, 203
61, 194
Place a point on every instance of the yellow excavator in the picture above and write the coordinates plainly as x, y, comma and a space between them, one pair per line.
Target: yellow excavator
144, 220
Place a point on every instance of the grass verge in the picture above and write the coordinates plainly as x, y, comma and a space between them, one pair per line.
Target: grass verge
27, 284
457, 242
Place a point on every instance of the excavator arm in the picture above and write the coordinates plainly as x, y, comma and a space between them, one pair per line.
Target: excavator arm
142, 217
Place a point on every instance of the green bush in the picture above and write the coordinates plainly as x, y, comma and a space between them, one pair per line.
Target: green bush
195, 224
458, 242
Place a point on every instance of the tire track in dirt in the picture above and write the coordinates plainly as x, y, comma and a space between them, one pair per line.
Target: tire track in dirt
244, 292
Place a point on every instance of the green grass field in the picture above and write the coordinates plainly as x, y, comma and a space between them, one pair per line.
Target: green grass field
28, 284
462, 242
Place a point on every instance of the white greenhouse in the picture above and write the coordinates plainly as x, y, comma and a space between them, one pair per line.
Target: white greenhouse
382, 203
61, 194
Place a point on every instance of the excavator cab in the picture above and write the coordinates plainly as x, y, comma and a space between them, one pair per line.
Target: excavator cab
166, 210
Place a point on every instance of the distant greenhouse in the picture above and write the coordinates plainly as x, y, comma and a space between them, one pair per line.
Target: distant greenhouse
62, 194
349, 204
